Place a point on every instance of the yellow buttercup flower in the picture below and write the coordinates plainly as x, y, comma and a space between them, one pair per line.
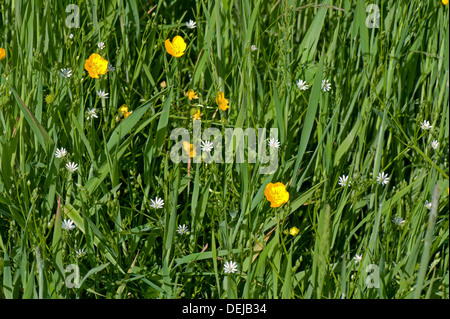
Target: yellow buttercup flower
276, 194
124, 111
196, 116
445, 2
96, 65
189, 149
221, 101
293, 231
127, 114
2, 53
191, 94
176, 47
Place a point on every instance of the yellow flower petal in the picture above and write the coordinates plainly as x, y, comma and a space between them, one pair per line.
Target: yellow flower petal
123, 109
127, 114
176, 47
293, 231
276, 194
196, 116
188, 149
96, 65
191, 94
2, 53
221, 101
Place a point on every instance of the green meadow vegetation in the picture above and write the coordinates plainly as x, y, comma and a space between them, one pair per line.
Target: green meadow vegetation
365, 162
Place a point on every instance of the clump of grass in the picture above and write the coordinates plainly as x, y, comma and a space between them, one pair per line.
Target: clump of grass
355, 120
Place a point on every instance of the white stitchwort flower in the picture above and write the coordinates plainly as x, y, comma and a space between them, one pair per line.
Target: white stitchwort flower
326, 85
79, 253
398, 221
110, 67
72, 167
71, 36
230, 267
191, 24
253, 48
206, 146
273, 143
357, 258
302, 85
102, 94
425, 125
157, 203
434, 144
383, 178
428, 204
101, 45
91, 113
67, 224
182, 229
343, 180
60, 152
67, 73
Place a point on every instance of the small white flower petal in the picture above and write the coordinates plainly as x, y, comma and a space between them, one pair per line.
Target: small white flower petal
343, 180
326, 85
302, 85
191, 24
206, 146
425, 125
157, 203
383, 179
102, 94
434, 144
71, 167
274, 143
60, 152
230, 267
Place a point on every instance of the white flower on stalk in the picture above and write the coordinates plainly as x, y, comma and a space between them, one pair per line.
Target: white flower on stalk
182, 229
398, 221
383, 179
67, 224
72, 167
343, 180
60, 152
428, 204
357, 258
302, 85
157, 203
230, 267
253, 48
326, 85
206, 146
434, 144
102, 94
425, 125
67, 73
110, 67
191, 24
79, 253
71, 36
92, 113
273, 143
101, 45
